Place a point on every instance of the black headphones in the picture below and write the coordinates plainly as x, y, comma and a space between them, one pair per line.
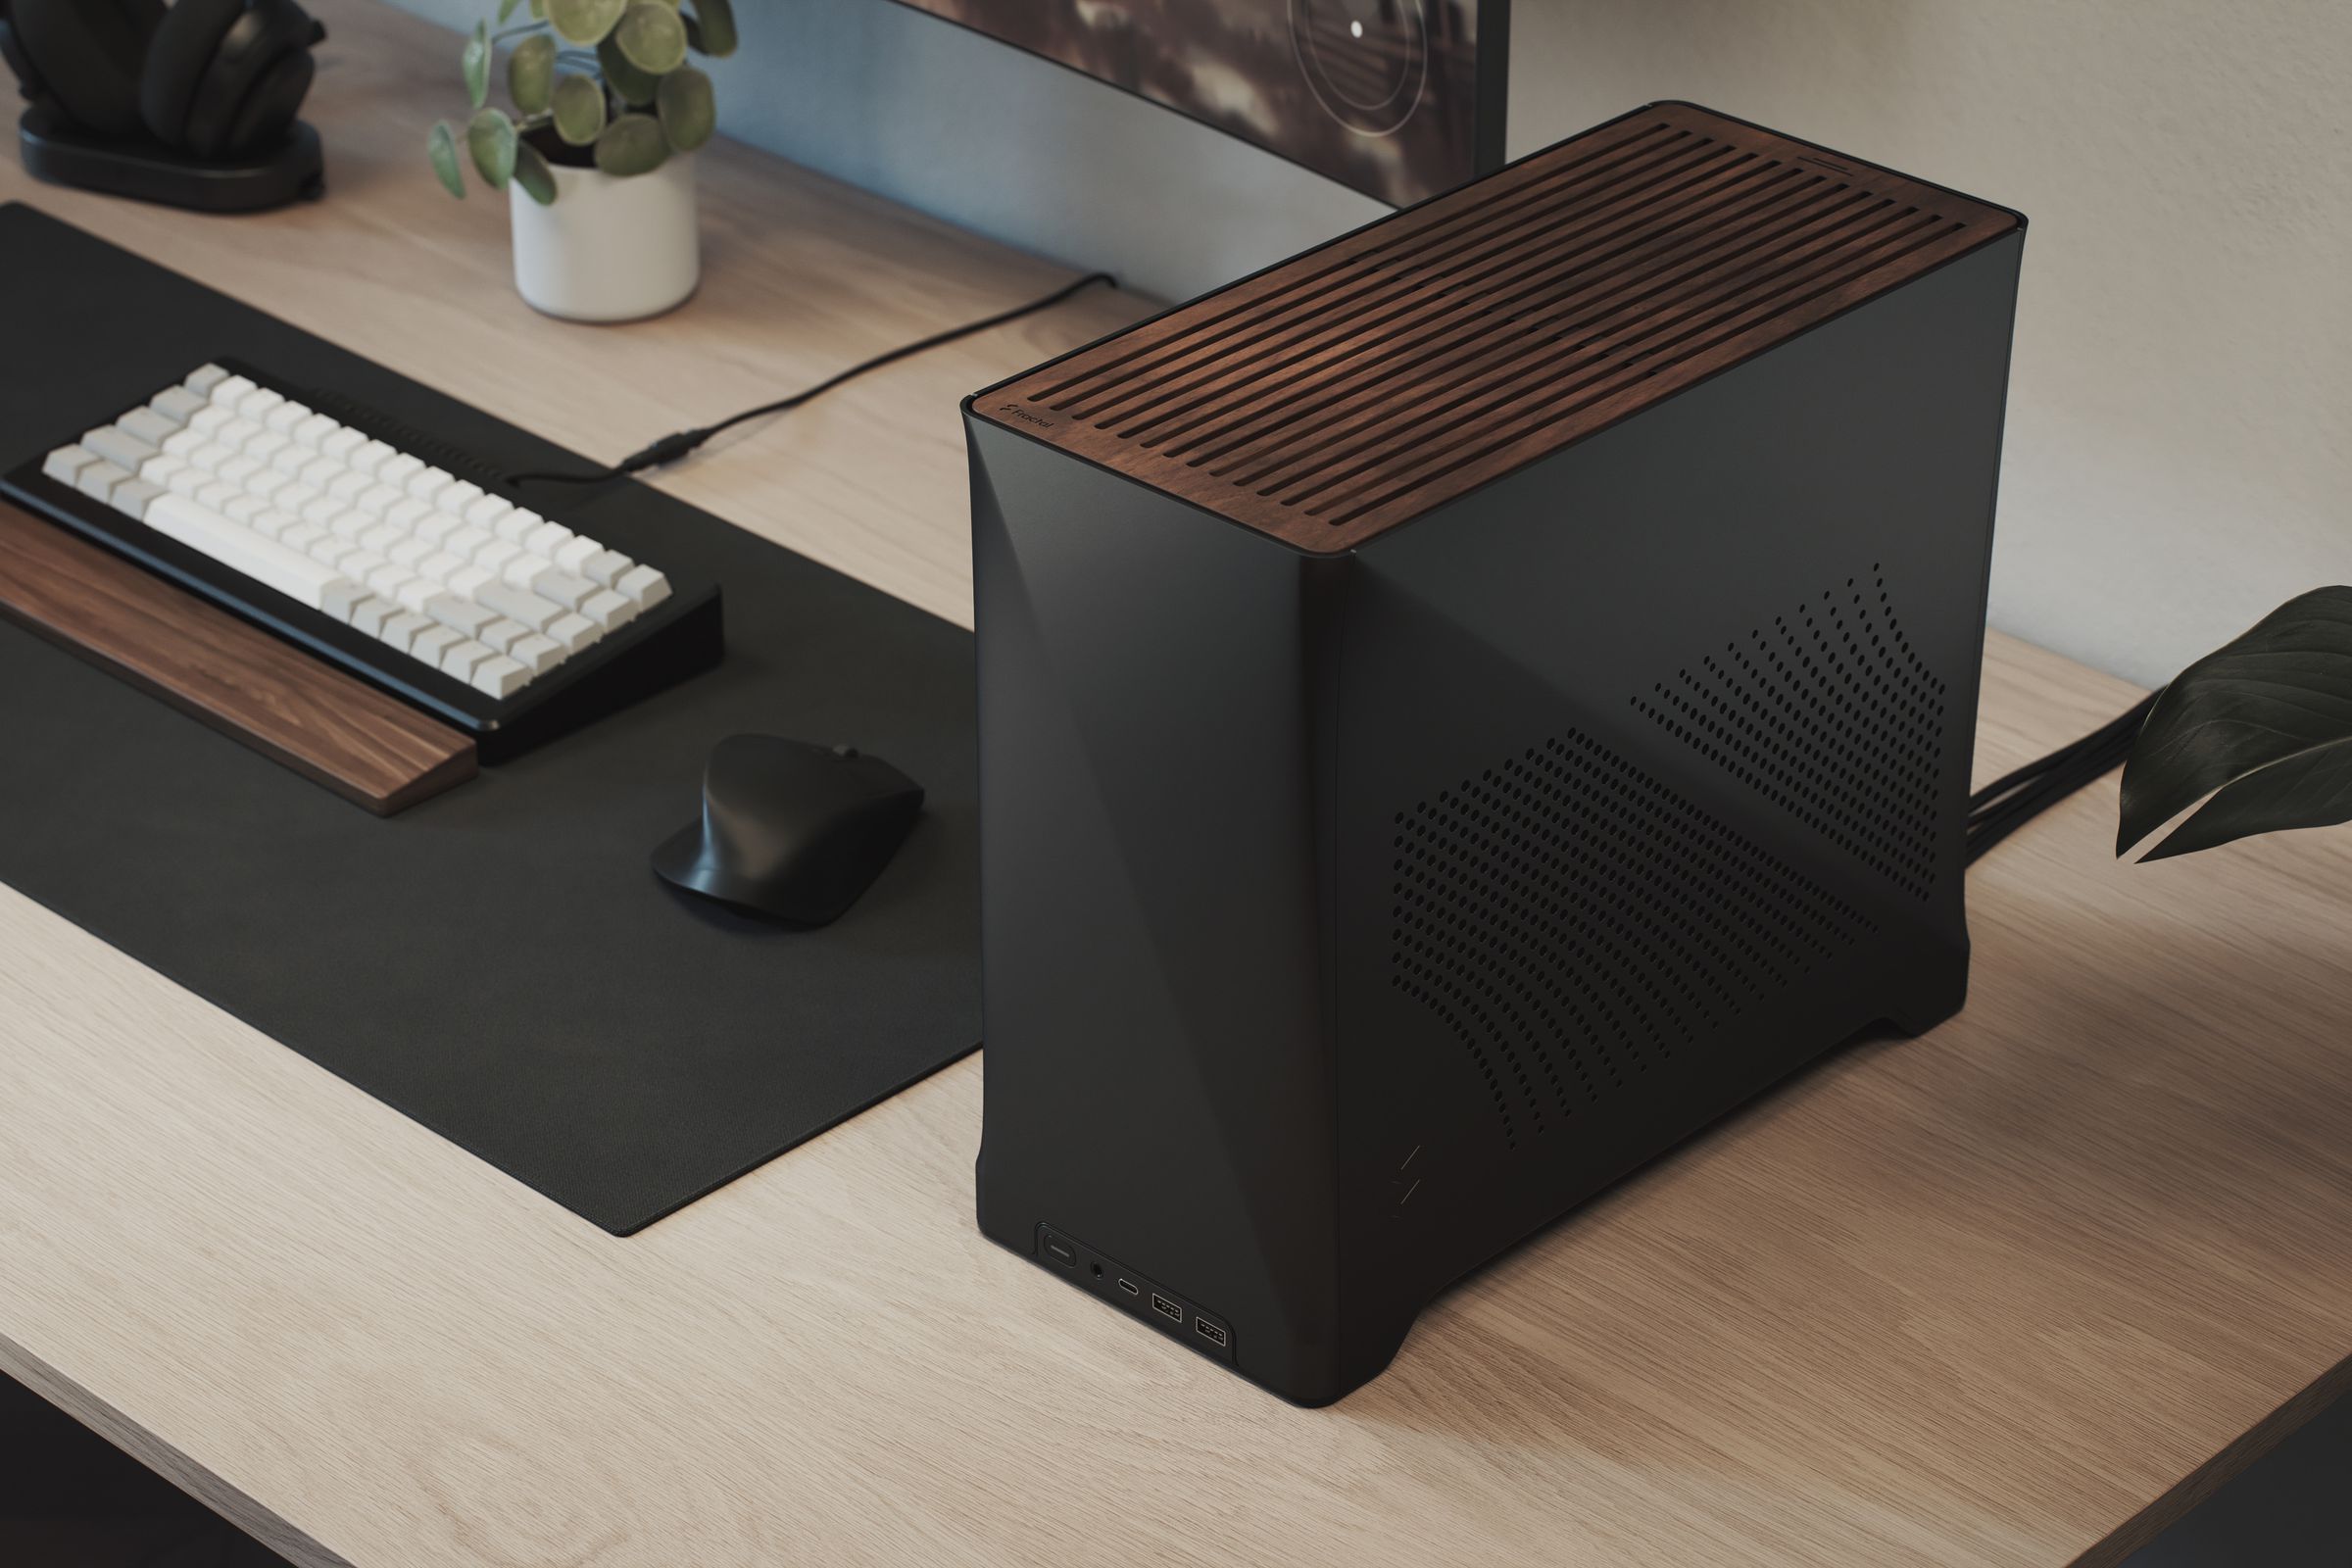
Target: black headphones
216, 79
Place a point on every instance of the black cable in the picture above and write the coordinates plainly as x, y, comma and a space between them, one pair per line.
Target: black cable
670, 447
2009, 802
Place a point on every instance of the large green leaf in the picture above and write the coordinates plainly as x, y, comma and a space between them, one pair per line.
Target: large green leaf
476, 61
441, 146
689, 114
633, 144
712, 28
538, 182
505, 9
585, 21
490, 138
652, 37
2263, 724
634, 85
532, 74
579, 109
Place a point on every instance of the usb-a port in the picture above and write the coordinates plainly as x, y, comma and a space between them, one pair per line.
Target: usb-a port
1211, 1332
1166, 1308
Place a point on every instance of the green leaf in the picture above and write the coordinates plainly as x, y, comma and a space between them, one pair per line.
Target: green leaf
476, 63
490, 138
441, 146
652, 37
538, 182
2263, 724
633, 144
580, 110
634, 85
532, 74
585, 21
538, 10
689, 113
505, 9
712, 28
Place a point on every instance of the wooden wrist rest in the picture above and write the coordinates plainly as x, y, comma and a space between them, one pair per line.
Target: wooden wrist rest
326, 726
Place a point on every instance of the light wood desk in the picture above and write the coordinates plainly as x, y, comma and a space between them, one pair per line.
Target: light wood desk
1995, 1297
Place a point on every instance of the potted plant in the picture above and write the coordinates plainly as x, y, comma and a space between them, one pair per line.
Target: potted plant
605, 112
2259, 730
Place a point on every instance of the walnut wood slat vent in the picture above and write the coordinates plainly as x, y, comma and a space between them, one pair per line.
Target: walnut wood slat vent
1573, 922
1366, 382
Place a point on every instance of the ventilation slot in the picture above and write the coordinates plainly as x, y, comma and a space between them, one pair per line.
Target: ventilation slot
1828, 712
1573, 924
1369, 380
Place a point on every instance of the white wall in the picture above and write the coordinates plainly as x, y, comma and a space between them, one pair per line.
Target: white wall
2178, 459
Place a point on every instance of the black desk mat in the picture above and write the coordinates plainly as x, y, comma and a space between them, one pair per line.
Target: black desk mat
499, 963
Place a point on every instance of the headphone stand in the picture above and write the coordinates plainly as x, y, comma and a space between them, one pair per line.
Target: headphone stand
150, 171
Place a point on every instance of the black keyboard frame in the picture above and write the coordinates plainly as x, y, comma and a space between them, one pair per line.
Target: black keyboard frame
680, 636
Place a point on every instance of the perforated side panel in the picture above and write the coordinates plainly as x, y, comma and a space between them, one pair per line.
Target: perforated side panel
1573, 923
1828, 713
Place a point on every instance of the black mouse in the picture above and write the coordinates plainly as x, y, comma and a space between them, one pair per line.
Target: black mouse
788, 829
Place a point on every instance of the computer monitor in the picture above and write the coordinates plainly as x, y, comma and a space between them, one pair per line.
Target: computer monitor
1400, 99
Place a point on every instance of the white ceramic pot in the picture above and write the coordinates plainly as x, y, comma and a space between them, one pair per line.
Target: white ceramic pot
607, 249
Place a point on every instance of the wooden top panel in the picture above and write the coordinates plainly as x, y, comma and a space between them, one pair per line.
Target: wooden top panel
292, 706
1367, 381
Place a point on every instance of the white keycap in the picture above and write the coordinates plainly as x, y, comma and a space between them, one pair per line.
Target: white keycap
66, 462
257, 404
266, 446
519, 603
319, 472
573, 633
237, 469
564, 588
370, 456
436, 526
156, 471
149, 425
285, 416
496, 555
458, 497
274, 522
400, 470
187, 482
431, 643
177, 403
380, 537
439, 565
416, 593
501, 635
427, 483
387, 578
362, 563
465, 541
323, 509
213, 496
382, 500
403, 512
603, 568
329, 551
342, 442
485, 512
202, 379
519, 524
291, 458
645, 585
211, 416
266, 560
371, 615
120, 447
407, 549
549, 538
348, 484
231, 392
267, 483
577, 552
97, 480
296, 495
237, 432
315, 429
538, 652
458, 614
399, 631
184, 442
608, 608
522, 570
301, 536
468, 580
459, 659
133, 496
499, 676
244, 509
211, 456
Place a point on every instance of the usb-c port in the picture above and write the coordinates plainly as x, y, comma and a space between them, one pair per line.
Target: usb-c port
1130, 1287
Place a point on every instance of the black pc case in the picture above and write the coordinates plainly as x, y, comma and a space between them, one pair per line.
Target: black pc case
1468, 707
